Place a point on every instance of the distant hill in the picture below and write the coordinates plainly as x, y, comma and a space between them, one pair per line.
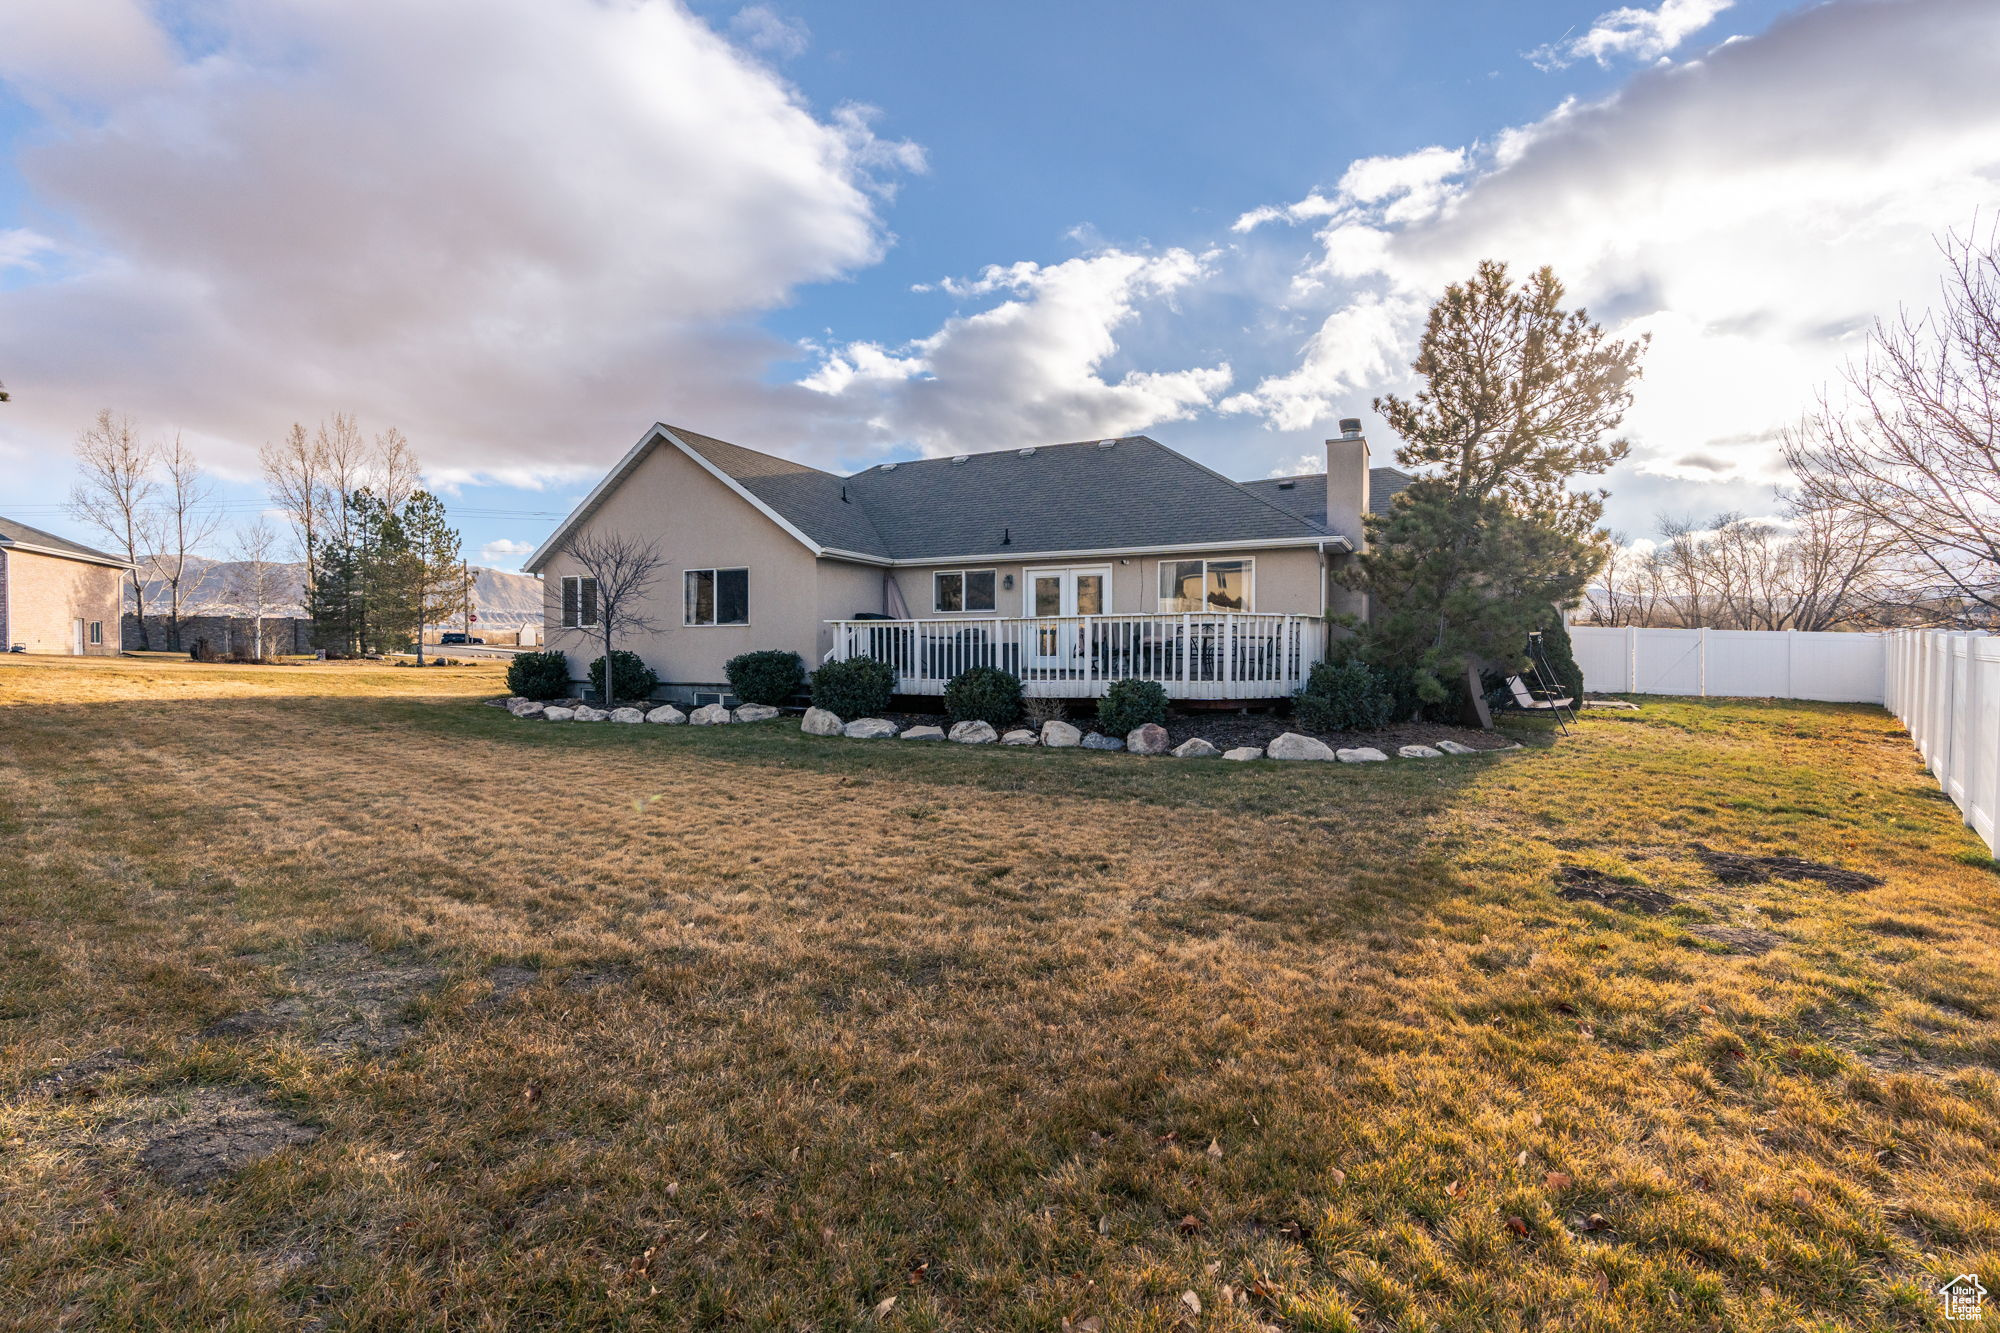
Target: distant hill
215, 587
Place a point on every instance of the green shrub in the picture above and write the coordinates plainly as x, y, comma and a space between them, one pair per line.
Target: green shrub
772, 676
858, 687
983, 694
1131, 703
631, 678
1562, 660
1343, 695
543, 675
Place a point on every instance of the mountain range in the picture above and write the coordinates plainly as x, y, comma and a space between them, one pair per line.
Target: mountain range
218, 587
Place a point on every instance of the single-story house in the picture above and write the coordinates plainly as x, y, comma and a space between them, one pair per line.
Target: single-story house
1070, 565
57, 596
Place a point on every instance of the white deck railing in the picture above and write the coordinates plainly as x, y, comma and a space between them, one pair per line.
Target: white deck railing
1077, 657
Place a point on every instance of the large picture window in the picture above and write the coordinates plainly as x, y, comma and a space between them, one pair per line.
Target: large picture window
1207, 585
717, 597
579, 602
962, 590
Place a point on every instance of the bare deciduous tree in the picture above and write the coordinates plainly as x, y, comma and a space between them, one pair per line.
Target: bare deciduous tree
117, 494
623, 571
295, 478
186, 520
263, 579
1911, 443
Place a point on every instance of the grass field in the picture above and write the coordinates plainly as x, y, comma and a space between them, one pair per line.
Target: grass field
636, 1027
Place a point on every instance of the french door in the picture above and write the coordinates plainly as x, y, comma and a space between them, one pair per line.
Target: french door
1080, 590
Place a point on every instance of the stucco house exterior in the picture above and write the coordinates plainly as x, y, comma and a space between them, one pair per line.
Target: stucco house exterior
57, 596
1071, 565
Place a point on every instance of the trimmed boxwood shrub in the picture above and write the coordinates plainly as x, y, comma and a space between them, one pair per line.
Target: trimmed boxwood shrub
1343, 695
857, 687
543, 675
772, 676
983, 694
1129, 704
631, 678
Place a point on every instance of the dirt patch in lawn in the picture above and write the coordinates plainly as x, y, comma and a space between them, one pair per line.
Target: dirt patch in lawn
1582, 884
79, 1077
1740, 939
346, 998
221, 1131
1738, 868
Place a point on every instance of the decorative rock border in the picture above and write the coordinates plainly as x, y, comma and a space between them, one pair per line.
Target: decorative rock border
1149, 739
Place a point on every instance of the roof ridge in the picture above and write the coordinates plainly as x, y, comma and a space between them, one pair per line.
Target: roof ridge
1273, 505
58, 540
683, 432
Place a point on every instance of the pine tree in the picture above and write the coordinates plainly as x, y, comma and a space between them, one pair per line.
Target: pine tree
1518, 396
438, 569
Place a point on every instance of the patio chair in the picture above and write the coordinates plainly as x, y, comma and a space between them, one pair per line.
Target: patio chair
1535, 700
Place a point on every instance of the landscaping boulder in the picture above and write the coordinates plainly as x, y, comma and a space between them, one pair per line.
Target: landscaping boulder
1453, 747
709, 715
1420, 752
667, 715
627, 715
1094, 741
755, 713
974, 733
585, 713
923, 734
1019, 736
525, 707
1056, 735
1147, 738
1365, 754
558, 714
869, 728
1291, 745
1195, 749
819, 722
1244, 753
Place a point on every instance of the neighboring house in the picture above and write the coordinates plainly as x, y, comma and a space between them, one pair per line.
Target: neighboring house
57, 596
1071, 565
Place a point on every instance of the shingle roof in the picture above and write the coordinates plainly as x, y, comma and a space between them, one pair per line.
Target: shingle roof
1090, 495
1306, 495
20, 534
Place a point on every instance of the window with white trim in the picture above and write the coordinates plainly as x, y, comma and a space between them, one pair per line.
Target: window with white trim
97, 631
579, 602
715, 597
963, 590
1207, 585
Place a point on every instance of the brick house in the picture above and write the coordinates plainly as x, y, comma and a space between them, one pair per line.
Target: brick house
57, 596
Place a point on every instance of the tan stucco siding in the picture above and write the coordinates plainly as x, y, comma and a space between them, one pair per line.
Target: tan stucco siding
696, 522
844, 589
1289, 580
45, 596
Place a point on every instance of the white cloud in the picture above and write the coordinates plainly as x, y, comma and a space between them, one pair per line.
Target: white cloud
19, 248
1632, 33
1029, 369
1746, 209
514, 228
505, 552
763, 28
1305, 465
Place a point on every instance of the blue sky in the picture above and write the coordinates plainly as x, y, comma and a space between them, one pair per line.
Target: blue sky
520, 230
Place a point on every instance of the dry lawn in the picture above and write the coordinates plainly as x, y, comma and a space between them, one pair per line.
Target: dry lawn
419, 1016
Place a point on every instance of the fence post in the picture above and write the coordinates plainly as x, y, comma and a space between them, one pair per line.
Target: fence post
1791, 663
1631, 659
1701, 659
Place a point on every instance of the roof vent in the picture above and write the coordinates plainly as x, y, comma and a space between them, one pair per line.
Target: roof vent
1026, 453
888, 467
1285, 485
960, 458
1006, 536
1350, 428
843, 496
1106, 444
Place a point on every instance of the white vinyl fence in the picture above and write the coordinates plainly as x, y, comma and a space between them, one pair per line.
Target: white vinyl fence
1946, 689
1753, 664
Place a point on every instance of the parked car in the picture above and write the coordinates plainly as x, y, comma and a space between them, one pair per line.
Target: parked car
456, 637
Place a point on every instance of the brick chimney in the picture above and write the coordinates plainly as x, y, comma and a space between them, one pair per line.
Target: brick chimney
1347, 481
